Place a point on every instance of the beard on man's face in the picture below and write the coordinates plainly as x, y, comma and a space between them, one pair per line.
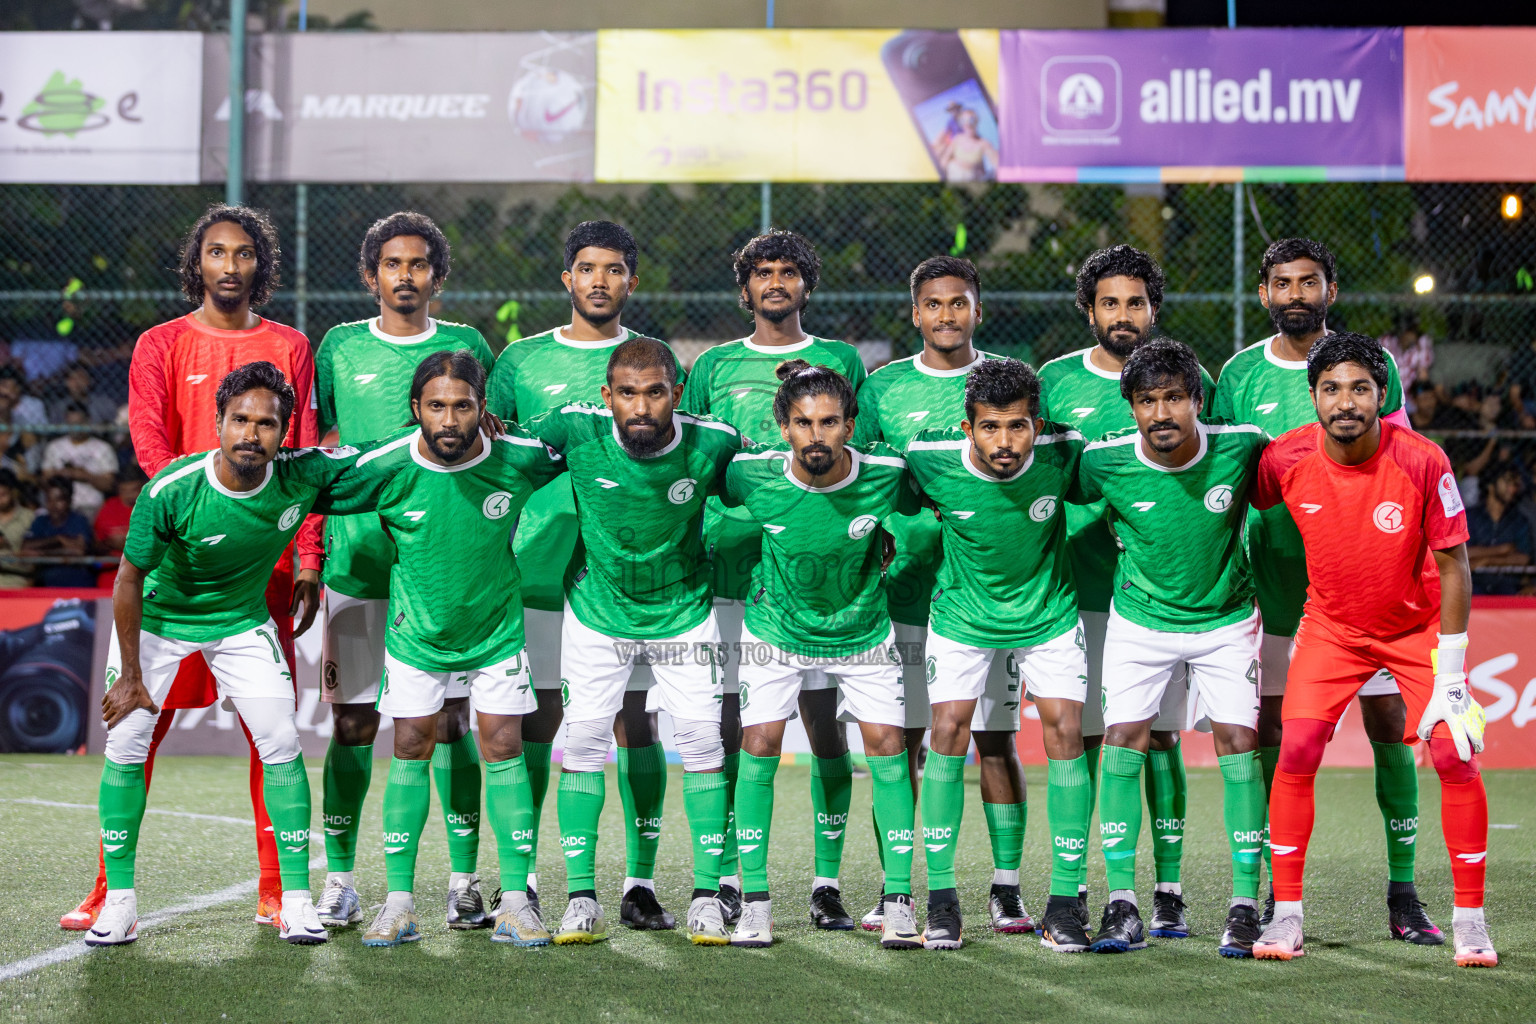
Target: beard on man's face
1298, 319
642, 436
1122, 346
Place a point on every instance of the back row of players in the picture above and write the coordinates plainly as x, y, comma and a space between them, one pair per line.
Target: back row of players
667, 562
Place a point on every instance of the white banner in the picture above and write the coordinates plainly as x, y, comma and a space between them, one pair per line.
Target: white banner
100, 107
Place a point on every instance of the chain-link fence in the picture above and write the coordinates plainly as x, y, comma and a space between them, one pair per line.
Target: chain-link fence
1442, 270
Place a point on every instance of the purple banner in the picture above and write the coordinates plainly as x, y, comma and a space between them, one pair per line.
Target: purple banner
1201, 98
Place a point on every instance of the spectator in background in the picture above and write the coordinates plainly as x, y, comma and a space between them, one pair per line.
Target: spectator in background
15, 521
112, 521
80, 390
59, 530
1500, 534
1413, 352
26, 410
16, 446
85, 459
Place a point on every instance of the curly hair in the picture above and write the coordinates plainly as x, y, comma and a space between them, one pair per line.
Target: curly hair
1347, 347
257, 376
263, 234
784, 246
936, 267
999, 383
802, 380
397, 225
1118, 261
1288, 250
1158, 362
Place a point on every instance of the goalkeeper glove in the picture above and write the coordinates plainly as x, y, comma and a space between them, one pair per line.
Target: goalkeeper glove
1452, 701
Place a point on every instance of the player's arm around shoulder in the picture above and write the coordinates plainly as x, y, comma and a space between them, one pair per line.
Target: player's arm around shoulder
1096, 463
751, 468
528, 456
351, 478
570, 425
717, 441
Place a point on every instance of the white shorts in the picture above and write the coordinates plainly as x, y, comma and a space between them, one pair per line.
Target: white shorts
596, 669
247, 666
1275, 658
542, 631
731, 615
994, 677
912, 650
352, 648
1170, 713
1222, 664
504, 688
869, 686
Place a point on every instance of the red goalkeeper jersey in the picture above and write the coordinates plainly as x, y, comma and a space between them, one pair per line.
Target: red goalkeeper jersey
1368, 529
176, 369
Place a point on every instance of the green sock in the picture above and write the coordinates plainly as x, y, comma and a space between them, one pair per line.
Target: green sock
1167, 791
754, 818
581, 805
1243, 810
536, 757
1005, 827
730, 862
943, 799
1397, 794
1269, 757
704, 803
1120, 813
831, 793
407, 796
1091, 762
456, 770
1068, 794
509, 806
895, 818
348, 771
642, 790
121, 807
285, 788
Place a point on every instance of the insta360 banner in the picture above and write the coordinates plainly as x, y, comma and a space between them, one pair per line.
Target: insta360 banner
797, 105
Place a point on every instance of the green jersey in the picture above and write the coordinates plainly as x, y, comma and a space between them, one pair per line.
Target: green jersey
1075, 392
640, 570
736, 383
363, 386
818, 591
534, 376
901, 398
1005, 581
455, 601
1183, 568
209, 551
1259, 387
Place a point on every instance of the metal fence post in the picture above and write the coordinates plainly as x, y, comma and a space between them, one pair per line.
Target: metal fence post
1237, 267
234, 176
300, 257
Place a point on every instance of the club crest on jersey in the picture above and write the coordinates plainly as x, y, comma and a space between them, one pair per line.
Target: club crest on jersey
1043, 508
681, 491
496, 505
1388, 517
862, 527
1219, 498
292, 514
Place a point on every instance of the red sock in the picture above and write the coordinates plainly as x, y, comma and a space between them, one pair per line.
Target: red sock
1463, 819
1291, 803
266, 842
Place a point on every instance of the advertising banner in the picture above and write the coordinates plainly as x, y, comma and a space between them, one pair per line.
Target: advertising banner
376, 107
797, 105
1086, 105
100, 107
1470, 104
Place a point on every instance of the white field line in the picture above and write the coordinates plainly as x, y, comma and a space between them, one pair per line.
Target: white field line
150, 810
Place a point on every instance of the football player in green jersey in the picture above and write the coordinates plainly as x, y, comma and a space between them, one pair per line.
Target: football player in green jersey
1266, 384
1004, 593
637, 590
445, 492
200, 548
1119, 290
818, 602
736, 382
1176, 493
901, 398
363, 377
534, 376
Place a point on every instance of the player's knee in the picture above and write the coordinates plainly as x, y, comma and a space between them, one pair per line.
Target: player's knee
354, 725
1449, 765
699, 744
951, 730
1301, 748
278, 743
128, 741
587, 745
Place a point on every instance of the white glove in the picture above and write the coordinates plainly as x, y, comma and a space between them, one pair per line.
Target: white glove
1452, 701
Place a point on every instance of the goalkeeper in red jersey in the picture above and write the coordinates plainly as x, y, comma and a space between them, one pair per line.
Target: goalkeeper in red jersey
229, 264
1385, 536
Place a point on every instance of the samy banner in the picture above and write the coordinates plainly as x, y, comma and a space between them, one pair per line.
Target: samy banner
797, 105
99, 107
1470, 104
423, 106
1193, 104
